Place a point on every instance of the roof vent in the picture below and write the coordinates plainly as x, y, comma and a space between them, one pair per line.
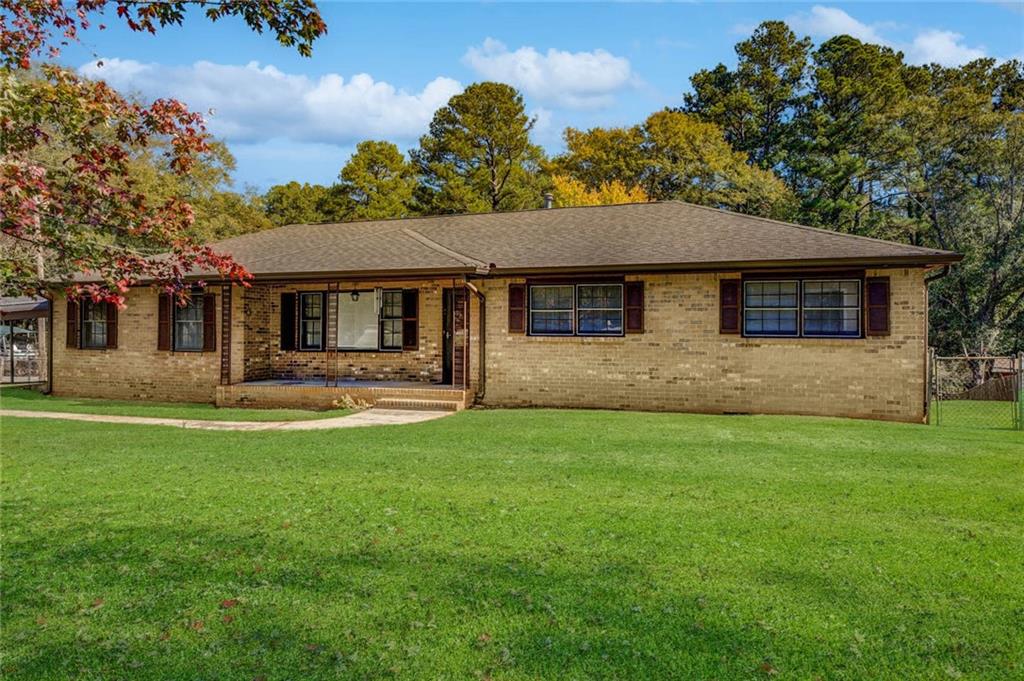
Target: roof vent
549, 200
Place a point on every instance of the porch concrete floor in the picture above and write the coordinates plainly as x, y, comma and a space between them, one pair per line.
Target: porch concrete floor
352, 383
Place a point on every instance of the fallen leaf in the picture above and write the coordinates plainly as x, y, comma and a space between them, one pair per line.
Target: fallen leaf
767, 668
98, 603
227, 619
196, 625
229, 603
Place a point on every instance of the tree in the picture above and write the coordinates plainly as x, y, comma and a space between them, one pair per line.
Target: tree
755, 103
674, 155
601, 155
962, 189
68, 144
478, 156
377, 182
571, 192
849, 137
298, 203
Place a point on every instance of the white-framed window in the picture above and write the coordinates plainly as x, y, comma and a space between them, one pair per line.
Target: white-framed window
552, 310
831, 308
771, 308
188, 325
391, 320
311, 321
809, 308
599, 309
576, 309
94, 324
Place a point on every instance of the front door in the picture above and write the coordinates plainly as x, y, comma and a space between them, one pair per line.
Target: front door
447, 334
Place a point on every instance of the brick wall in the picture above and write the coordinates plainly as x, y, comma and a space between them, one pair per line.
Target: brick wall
264, 357
682, 363
136, 369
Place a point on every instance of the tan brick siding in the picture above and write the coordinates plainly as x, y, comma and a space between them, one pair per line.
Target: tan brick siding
136, 369
682, 363
265, 359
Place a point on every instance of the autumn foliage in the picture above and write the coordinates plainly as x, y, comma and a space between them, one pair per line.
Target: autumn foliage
69, 209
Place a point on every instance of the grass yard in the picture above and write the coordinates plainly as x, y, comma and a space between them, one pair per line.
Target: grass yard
514, 545
28, 399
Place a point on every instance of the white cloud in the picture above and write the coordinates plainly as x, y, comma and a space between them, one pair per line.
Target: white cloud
927, 46
254, 102
941, 47
569, 79
831, 21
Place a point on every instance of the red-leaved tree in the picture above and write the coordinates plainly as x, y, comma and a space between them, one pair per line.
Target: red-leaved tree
69, 211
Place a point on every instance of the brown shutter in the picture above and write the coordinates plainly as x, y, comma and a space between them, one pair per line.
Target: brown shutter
111, 326
288, 330
876, 307
517, 308
209, 322
634, 306
410, 319
74, 338
729, 306
163, 322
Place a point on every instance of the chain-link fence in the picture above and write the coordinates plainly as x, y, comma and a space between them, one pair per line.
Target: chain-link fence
979, 392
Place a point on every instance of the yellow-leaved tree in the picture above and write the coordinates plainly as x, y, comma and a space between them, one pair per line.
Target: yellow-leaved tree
569, 191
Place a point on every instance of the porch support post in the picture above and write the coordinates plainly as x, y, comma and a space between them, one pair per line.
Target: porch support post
225, 334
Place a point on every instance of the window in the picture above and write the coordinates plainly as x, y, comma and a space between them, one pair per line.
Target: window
311, 321
357, 320
815, 308
94, 324
599, 309
551, 310
580, 309
831, 308
188, 325
391, 321
770, 308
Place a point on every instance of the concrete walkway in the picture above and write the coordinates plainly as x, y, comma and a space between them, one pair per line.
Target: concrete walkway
370, 417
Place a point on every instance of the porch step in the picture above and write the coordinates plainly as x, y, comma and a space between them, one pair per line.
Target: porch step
419, 405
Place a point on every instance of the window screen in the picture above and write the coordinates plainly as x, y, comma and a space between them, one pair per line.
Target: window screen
831, 308
188, 325
312, 315
94, 324
770, 308
551, 310
599, 309
391, 320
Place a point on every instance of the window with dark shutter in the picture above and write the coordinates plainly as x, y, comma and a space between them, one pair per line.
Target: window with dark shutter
288, 321
877, 304
634, 307
729, 306
517, 308
163, 322
73, 336
209, 322
410, 319
111, 326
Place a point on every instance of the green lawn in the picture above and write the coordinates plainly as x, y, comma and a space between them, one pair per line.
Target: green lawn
514, 545
26, 398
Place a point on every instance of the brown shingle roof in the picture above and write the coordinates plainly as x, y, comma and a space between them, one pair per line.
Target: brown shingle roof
662, 235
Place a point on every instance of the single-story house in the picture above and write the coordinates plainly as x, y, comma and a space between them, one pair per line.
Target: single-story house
656, 306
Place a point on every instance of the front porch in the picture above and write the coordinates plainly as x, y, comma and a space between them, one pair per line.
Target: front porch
323, 394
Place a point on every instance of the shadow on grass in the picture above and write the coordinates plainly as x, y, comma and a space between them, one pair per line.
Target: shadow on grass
149, 602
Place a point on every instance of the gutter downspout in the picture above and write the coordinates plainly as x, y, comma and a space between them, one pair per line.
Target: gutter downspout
929, 368
483, 340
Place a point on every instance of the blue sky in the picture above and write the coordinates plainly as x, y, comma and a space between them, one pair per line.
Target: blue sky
384, 68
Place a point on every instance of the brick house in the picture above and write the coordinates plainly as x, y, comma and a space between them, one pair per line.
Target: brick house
658, 306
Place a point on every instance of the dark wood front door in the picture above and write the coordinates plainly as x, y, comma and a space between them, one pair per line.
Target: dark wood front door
447, 333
